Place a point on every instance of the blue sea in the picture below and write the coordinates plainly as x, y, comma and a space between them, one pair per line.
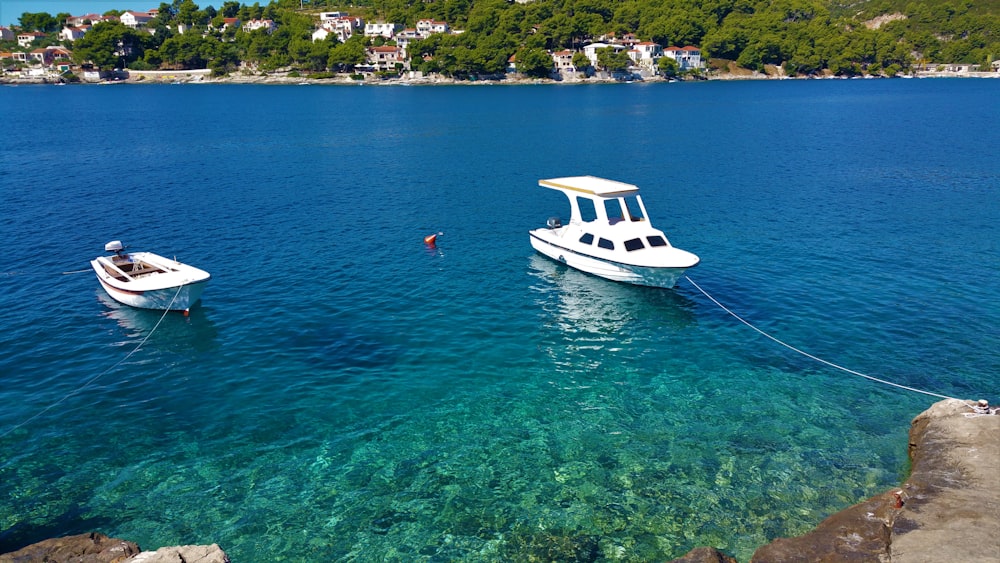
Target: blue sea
344, 392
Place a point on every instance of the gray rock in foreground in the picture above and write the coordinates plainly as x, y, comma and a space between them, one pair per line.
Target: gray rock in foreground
947, 511
183, 554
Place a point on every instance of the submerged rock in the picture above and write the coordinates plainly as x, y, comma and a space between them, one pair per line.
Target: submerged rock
948, 509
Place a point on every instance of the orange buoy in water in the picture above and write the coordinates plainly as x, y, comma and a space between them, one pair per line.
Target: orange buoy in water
431, 239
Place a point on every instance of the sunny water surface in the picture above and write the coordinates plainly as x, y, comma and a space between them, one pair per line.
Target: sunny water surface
344, 393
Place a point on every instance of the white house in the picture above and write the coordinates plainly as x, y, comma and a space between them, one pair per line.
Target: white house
77, 21
73, 33
563, 61
27, 38
428, 27
321, 34
266, 25
387, 30
591, 51
686, 57
226, 24
645, 54
342, 28
327, 16
136, 20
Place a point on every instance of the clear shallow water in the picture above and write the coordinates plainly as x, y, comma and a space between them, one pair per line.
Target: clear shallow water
344, 393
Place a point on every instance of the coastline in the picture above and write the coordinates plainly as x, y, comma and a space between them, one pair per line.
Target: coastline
203, 76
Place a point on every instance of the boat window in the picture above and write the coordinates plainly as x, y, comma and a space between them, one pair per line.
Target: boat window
605, 243
614, 210
587, 210
633, 244
587, 238
634, 209
656, 240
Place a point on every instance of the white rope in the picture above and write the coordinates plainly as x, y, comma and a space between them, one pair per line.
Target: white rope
808, 355
80, 389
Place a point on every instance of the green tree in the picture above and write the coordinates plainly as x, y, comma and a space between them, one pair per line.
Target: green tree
345, 56
612, 60
534, 62
109, 44
667, 66
40, 21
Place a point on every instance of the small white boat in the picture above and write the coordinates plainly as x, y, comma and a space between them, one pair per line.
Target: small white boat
148, 281
609, 234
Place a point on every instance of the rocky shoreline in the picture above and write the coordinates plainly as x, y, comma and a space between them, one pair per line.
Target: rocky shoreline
947, 510
203, 76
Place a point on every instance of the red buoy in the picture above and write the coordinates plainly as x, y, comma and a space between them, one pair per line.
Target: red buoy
430, 239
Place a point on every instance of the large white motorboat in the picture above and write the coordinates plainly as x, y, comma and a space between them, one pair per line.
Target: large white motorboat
148, 281
609, 234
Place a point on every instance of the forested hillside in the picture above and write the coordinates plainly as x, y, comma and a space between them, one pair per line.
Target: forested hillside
803, 36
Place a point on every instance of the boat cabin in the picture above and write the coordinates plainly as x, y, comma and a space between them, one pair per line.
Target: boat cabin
609, 213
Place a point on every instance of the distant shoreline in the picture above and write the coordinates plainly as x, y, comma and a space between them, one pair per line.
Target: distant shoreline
202, 76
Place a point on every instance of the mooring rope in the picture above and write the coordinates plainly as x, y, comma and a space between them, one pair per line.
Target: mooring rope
90, 382
810, 356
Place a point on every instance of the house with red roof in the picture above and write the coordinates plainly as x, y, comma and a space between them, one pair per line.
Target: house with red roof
385, 57
645, 54
687, 57
253, 25
72, 33
563, 61
429, 27
77, 21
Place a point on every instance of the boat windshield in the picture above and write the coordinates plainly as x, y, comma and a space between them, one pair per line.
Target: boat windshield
587, 210
635, 209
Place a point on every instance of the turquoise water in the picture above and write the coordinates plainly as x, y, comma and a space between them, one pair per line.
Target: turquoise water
345, 393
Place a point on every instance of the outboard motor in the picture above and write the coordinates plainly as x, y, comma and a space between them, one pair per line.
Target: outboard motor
115, 246
553, 223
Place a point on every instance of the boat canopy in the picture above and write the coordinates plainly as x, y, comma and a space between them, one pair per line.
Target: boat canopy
590, 185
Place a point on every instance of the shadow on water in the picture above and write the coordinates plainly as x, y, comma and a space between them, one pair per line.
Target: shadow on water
337, 347
195, 331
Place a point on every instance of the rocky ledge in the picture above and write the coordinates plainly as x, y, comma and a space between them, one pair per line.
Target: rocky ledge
948, 510
98, 548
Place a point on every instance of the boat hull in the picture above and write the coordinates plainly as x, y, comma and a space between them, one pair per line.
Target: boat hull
160, 283
616, 271
178, 298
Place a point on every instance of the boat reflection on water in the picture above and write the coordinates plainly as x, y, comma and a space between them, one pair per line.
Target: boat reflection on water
587, 307
194, 331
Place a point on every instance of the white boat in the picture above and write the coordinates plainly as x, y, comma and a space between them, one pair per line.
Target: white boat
609, 234
148, 281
